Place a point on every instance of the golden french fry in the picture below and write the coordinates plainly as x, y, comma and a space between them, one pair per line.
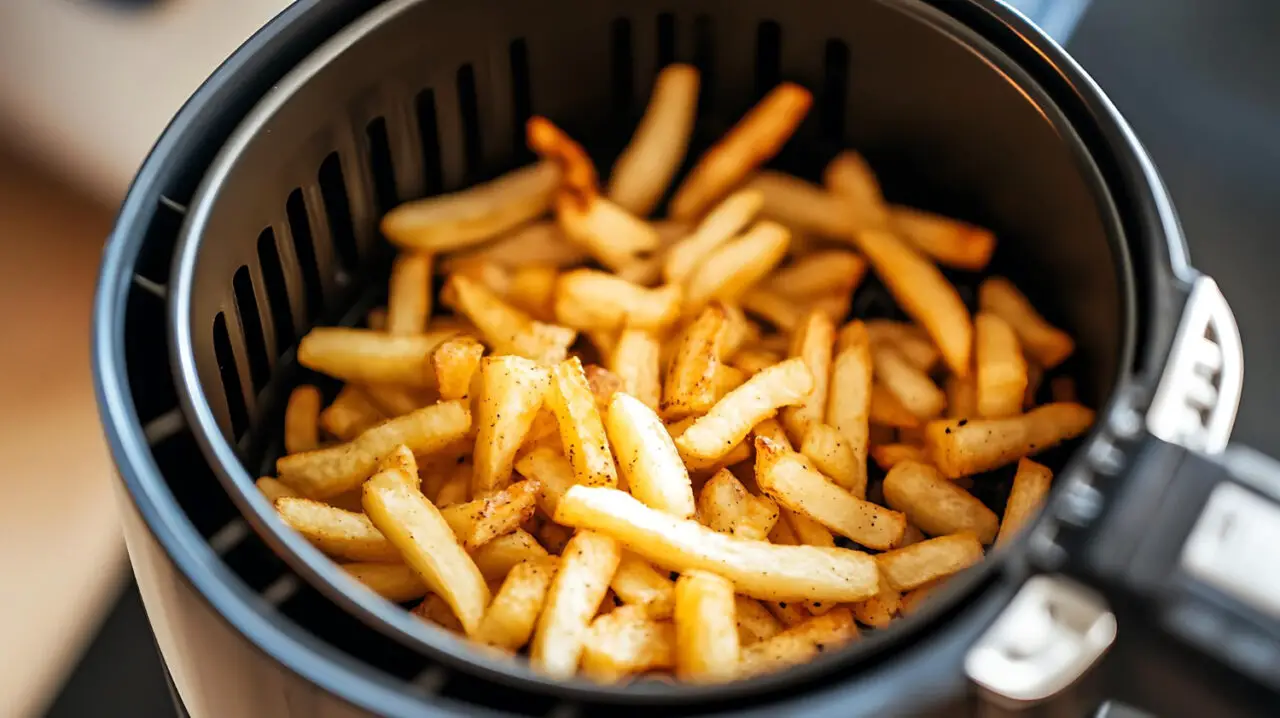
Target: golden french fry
626, 641
707, 644
721, 224
831, 454
536, 243
755, 622
581, 429
804, 206
849, 402
1043, 342
496, 558
754, 361
533, 290
273, 489
635, 360
434, 609
350, 414
757, 569
789, 479
604, 384
456, 488
729, 421
650, 161
512, 391
553, 536
508, 623
1001, 375
302, 420
638, 583
1030, 487
364, 356
773, 431
325, 473
554, 472
923, 293
911, 535
690, 384
726, 379
916, 597
889, 455
455, 363
832, 271
341, 534
606, 231
739, 331
409, 294
912, 387
507, 329
577, 173
586, 567
725, 505
400, 458
788, 613
949, 241
472, 216
799, 643
648, 457
394, 400
937, 506
962, 448
395, 582
481, 520
887, 410
879, 610
812, 343
488, 274
753, 141
962, 397
590, 299
807, 531
729, 271
910, 340
777, 309
850, 177
909, 567
418, 531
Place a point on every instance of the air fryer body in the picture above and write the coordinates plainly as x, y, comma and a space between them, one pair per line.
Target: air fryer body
255, 217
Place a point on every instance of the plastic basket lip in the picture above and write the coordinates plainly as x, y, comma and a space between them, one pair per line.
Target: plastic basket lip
297, 649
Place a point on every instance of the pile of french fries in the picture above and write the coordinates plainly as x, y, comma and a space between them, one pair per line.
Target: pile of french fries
632, 446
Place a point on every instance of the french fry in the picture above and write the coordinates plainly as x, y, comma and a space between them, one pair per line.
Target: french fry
804, 206
773, 431
754, 361
418, 531
879, 610
887, 410
472, 216
789, 479
832, 271
729, 421
350, 414
588, 299
1001, 375
554, 472
479, 521
409, 294
606, 231
648, 457
302, 420
455, 363
456, 488
273, 489
799, 643
646, 167
962, 448
393, 400
604, 384
488, 274
923, 293
434, 609
754, 140
690, 385
325, 473
910, 340
911, 535
1041, 341
835, 306
721, 224
807, 531
1030, 487
849, 402
364, 356
707, 646
586, 567
909, 567
338, 533
536, 243
507, 329
729, 271
916, 597
756, 568
626, 641
512, 391
912, 387
533, 290
508, 622
831, 454
553, 537
755, 623
962, 397
739, 331
780, 311
395, 582
638, 583
635, 360
937, 506
496, 558
577, 173
726, 379
400, 458
581, 429
850, 177
949, 241
889, 455
1062, 389
812, 343
726, 506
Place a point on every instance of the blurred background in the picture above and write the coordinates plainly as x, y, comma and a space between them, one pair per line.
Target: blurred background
87, 86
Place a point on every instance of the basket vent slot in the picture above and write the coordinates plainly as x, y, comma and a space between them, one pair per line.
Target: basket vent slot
236, 411
304, 249
277, 290
429, 133
622, 71
768, 56
337, 207
157, 249
521, 97
835, 87
666, 39
251, 327
146, 357
197, 489
469, 109
384, 174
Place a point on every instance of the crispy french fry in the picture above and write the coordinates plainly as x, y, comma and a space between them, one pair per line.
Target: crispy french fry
804, 206
350, 414
400, 458
788, 613
418, 531
789, 479
604, 384
916, 597
533, 290
395, 582
879, 610
911, 386
831, 454
434, 609
586, 567
590, 299
707, 646
779, 310
911, 535
341, 534
753, 141
512, 390
646, 167
1043, 342
850, 177
456, 488
910, 340
807, 531
889, 455
536, 243
364, 356
273, 489
581, 429
755, 623
508, 622
394, 400
577, 173
754, 361
553, 537
887, 410
799, 643
729, 421
725, 505
739, 331
1062, 389
726, 379
488, 274
949, 241
635, 360
757, 569
409, 294
507, 329
962, 397
812, 343
909, 567
721, 224
937, 506
455, 363
962, 448
773, 431
472, 216
626, 641
606, 231
923, 293
690, 383
554, 472
496, 558
302, 420
729, 271
849, 403
479, 521
835, 306
832, 271
325, 473
1001, 375
1030, 487
638, 583
648, 457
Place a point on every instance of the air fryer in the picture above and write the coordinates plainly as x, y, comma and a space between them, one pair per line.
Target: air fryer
1150, 577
